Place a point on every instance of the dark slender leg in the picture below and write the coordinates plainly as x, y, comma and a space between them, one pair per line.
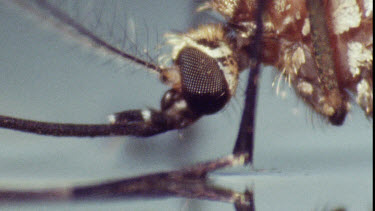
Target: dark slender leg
245, 138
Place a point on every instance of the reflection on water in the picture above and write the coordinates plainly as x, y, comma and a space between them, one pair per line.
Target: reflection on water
261, 190
188, 183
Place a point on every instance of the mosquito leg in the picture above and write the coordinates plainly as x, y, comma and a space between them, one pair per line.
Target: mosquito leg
245, 138
336, 106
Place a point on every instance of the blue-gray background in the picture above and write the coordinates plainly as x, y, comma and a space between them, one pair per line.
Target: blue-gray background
304, 163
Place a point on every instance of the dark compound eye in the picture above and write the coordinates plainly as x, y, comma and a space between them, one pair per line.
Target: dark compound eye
203, 83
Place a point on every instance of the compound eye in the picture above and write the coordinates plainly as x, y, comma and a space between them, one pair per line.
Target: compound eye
203, 83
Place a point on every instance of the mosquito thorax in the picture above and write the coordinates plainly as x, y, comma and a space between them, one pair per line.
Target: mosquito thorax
207, 68
324, 51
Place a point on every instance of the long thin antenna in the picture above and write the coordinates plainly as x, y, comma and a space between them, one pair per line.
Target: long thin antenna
66, 20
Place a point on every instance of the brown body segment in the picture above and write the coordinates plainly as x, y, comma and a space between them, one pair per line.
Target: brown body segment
324, 50
323, 55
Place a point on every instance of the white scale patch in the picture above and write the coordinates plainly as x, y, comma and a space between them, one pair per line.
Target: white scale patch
305, 88
346, 15
306, 27
298, 15
179, 42
168, 96
364, 94
298, 59
281, 6
288, 20
358, 56
368, 7
328, 110
362, 87
112, 119
230, 78
146, 115
180, 105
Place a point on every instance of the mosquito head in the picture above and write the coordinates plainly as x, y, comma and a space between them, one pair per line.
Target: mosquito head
203, 83
207, 68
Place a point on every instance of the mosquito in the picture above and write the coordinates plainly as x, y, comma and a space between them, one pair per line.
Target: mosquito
293, 39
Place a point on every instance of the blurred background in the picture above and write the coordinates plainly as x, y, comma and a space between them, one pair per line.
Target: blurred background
301, 162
